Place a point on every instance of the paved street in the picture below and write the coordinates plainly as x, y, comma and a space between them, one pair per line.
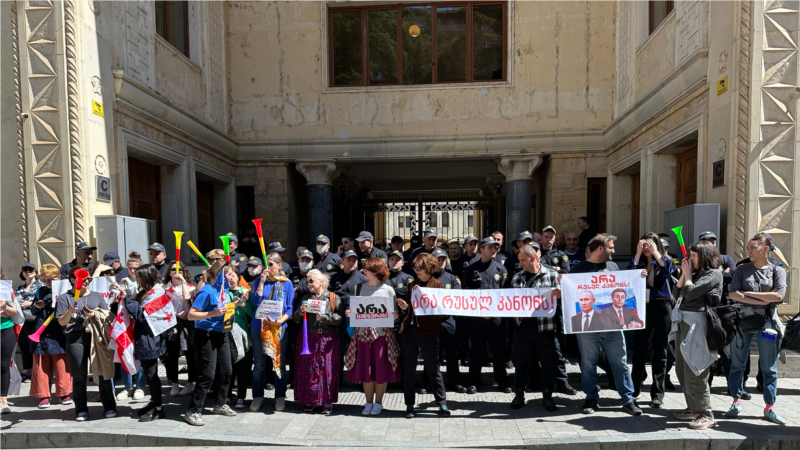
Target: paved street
482, 420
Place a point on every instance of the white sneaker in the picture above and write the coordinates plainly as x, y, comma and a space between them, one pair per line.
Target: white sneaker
376, 409
4, 409
187, 390
82, 417
367, 409
280, 404
239, 404
138, 393
124, 395
256, 404
175, 391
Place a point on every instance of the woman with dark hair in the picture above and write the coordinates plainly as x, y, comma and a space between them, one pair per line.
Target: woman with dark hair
657, 269
180, 291
241, 348
26, 295
75, 321
147, 346
421, 334
212, 346
699, 288
759, 286
373, 355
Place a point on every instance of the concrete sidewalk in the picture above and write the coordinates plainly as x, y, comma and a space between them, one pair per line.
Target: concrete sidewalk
483, 420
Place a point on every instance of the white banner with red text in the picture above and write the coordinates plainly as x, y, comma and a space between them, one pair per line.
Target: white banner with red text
603, 301
522, 302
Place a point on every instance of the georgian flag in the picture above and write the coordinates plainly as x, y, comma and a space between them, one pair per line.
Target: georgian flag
122, 341
158, 310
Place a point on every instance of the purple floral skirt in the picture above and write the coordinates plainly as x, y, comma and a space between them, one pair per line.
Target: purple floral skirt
372, 363
316, 375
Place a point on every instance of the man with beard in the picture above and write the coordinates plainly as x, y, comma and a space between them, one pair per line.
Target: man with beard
367, 250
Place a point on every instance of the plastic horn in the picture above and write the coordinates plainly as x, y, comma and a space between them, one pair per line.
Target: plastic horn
178, 236
198, 252
679, 233
38, 335
305, 336
226, 241
81, 275
257, 222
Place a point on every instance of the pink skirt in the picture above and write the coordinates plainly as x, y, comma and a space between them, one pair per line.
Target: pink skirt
372, 363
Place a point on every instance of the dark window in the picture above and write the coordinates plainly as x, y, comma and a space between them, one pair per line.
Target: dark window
596, 203
417, 44
659, 10
172, 23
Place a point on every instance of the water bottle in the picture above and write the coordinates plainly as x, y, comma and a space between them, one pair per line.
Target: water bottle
770, 334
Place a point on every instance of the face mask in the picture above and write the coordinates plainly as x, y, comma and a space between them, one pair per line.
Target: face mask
305, 266
322, 249
253, 271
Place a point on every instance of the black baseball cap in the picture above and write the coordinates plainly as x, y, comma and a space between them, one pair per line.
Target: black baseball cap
525, 235
488, 241
397, 253
323, 238
110, 257
254, 261
365, 236
275, 247
348, 254
84, 246
397, 239
157, 247
705, 235
549, 228
439, 253
305, 253
233, 238
431, 232
470, 238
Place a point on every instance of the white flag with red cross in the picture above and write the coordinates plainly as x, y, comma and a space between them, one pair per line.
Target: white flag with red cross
122, 341
159, 311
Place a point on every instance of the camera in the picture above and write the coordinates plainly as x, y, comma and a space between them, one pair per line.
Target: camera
24, 116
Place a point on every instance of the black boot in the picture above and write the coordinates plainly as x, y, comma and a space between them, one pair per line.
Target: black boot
147, 408
547, 401
519, 400
153, 414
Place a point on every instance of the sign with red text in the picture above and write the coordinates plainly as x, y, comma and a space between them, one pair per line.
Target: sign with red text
603, 301
371, 312
522, 302
315, 306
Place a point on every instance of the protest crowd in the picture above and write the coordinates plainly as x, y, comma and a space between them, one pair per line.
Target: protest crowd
260, 323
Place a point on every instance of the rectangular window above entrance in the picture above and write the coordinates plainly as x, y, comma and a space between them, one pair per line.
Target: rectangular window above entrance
380, 45
657, 12
172, 23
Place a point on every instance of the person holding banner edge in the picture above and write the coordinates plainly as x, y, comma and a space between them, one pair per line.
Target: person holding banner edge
420, 334
147, 346
651, 258
448, 337
601, 249
536, 334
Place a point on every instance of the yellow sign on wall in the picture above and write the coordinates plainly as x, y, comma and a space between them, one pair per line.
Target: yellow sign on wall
97, 108
722, 86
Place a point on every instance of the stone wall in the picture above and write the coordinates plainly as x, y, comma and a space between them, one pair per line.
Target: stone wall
565, 192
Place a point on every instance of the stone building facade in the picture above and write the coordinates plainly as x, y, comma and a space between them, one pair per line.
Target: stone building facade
611, 110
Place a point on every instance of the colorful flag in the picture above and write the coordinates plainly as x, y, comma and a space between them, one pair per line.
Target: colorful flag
122, 341
158, 310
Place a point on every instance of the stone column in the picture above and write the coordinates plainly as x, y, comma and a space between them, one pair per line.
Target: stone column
319, 177
518, 170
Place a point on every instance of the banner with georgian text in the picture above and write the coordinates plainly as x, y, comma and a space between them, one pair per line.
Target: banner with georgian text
522, 302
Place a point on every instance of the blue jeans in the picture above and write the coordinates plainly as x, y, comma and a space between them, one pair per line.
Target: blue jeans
128, 379
767, 361
613, 342
260, 361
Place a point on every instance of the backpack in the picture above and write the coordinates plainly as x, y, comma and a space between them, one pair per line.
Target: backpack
791, 338
722, 324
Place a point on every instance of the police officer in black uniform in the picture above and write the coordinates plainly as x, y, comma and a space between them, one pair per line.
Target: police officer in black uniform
471, 254
429, 238
487, 274
367, 250
343, 283
278, 248
550, 254
327, 262
448, 338
413, 245
240, 259
512, 263
398, 279
463, 322
305, 262
254, 267
502, 255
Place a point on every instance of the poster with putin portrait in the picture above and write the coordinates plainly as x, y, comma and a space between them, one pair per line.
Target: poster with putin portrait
603, 301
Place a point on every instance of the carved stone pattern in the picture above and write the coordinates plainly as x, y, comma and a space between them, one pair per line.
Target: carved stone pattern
23, 202
318, 172
742, 129
624, 87
214, 65
775, 151
42, 103
138, 41
690, 28
74, 120
519, 167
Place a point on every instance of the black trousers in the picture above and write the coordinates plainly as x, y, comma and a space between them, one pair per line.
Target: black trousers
150, 373
171, 358
462, 333
241, 375
533, 348
78, 349
659, 320
211, 348
7, 343
492, 331
25, 347
449, 344
412, 343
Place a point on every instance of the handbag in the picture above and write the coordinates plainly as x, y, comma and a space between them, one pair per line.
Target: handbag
791, 337
722, 325
752, 324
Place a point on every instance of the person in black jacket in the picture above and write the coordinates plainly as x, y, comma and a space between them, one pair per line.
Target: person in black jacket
148, 348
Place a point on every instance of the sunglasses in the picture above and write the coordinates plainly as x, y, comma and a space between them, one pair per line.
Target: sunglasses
418, 269
28, 269
272, 264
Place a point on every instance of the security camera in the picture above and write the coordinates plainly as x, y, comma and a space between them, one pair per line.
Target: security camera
24, 116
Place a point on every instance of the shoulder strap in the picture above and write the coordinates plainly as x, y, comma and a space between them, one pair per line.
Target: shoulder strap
332, 298
358, 289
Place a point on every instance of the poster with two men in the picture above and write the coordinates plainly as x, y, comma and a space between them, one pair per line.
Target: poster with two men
603, 301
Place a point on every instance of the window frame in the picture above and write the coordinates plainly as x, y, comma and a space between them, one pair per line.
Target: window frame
669, 7
400, 35
165, 8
